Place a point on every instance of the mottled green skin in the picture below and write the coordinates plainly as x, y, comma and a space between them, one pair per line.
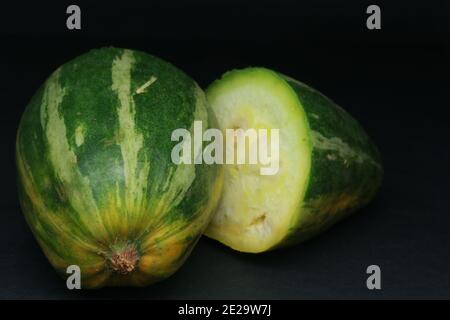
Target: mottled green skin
338, 183
162, 217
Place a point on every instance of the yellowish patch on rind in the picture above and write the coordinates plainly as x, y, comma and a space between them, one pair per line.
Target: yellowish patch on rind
165, 249
40, 217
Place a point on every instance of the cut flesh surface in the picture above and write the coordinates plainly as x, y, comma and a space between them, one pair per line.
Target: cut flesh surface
328, 166
250, 216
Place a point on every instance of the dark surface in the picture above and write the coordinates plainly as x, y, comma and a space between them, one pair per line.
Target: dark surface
395, 81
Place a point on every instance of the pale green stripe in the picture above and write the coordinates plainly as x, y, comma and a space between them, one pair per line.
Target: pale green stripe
130, 140
62, 157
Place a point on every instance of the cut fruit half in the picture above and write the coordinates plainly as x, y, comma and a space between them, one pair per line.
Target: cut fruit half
327, 164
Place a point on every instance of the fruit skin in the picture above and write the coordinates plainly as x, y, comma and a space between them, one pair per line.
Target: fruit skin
96, 181
345, 169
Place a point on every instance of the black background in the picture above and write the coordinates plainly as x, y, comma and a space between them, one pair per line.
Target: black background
395, 81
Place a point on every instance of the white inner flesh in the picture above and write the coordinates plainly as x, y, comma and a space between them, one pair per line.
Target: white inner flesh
257, 210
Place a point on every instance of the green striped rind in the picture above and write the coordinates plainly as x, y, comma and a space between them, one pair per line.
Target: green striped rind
93, 155
346, 169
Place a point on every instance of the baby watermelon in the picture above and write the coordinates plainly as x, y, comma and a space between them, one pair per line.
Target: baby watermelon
96, 181
328, 166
